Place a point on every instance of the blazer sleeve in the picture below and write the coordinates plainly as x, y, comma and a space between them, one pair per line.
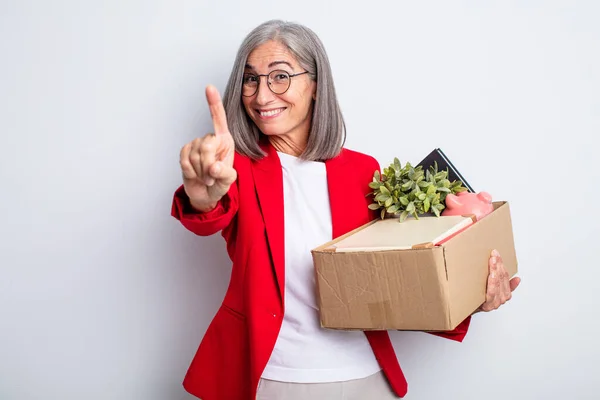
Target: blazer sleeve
209, 223
457, 333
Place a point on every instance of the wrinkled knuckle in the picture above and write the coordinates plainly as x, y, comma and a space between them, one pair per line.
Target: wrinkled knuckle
185, 164
207, 146
195, 158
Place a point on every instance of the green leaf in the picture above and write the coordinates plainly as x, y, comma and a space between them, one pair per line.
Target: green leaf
392, 209
382, 213
407, 185
384, 190
436, 211
424, 184
397, 164
443, 189
404, 200
374, 206
422, 196
382, 197
403, 216
426, 204
374, 185
431, 189
410, 207
377, 175
389, 202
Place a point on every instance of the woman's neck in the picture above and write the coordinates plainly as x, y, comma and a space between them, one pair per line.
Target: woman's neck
289, 145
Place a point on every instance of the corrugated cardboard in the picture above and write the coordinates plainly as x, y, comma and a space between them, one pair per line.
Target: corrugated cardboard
430, 288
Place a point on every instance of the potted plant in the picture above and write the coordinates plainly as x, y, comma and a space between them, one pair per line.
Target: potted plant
407, 190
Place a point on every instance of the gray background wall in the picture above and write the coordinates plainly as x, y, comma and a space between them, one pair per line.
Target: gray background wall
104, 296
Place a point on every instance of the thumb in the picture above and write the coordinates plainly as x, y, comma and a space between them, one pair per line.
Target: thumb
223, 174
514, 283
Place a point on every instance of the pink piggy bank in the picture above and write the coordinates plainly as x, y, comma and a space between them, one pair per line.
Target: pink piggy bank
466, 203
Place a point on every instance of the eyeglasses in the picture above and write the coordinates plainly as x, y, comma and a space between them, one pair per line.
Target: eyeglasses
278, 81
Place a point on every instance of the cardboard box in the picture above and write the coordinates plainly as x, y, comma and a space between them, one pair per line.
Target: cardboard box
429, 288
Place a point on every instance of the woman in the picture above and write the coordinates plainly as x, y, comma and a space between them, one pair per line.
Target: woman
273, 178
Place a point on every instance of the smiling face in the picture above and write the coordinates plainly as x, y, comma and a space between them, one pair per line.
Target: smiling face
286, 115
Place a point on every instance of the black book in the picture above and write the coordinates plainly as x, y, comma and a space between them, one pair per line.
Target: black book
443, 163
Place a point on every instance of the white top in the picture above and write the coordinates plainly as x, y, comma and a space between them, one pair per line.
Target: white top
305, 352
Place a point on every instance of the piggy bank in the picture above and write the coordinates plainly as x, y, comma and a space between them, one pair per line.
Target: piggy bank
466, 203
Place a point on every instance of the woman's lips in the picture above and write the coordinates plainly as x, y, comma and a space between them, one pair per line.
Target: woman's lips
270, 113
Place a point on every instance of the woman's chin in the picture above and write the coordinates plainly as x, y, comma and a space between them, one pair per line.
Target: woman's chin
269, 131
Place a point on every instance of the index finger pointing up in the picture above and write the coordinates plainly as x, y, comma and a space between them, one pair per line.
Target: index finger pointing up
217, 111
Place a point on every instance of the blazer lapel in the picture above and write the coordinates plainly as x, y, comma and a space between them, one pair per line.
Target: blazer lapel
336, 178
268, 178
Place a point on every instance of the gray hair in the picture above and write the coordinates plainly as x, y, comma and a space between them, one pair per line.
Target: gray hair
328, 130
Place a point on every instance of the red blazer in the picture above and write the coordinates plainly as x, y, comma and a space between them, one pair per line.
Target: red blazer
238, 342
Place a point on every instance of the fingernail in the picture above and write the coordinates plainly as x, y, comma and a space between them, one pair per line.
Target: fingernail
495, 253
494, 260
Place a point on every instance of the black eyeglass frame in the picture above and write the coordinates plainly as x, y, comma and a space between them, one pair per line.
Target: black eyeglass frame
268, 83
